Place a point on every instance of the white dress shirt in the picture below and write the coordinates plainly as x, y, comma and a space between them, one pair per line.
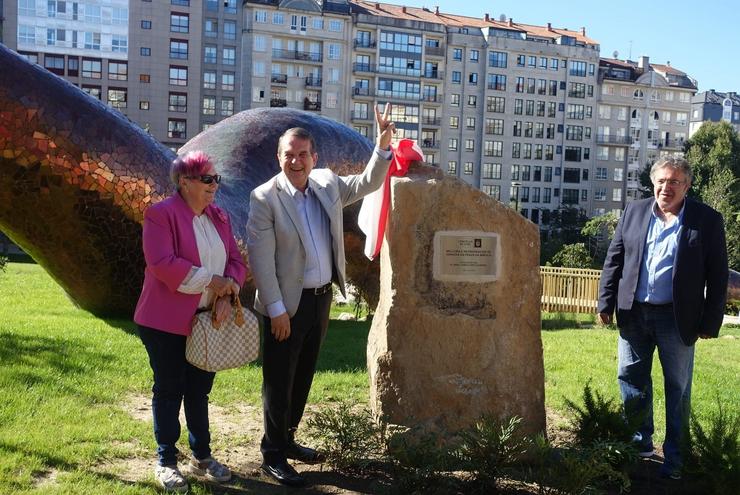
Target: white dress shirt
212, 254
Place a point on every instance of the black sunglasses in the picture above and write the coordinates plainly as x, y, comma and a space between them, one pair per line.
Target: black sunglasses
207, 179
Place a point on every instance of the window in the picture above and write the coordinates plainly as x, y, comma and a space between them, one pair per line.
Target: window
473, 78
493, 191
184, 3
179, 49
622, 113
454, 100
176, 128
229, 55
468, 168
516, 151
452, 144
497, 59
572, 154
570, 196
548, 152
335, 51
336, 26
530, 85
529, 107
117, 71
470, 122
454, 122
92, 68
601, 174
600, 194
229, 30
456, 77
92, 14
178, 102
261, 17
227, 81
145, 78
492, 171
210, 54
617, 194
452, 167
602, 153
681, 118
211, 28
258, 68
119, 44
277, 18
73, 66
578, 68
144, 105
54, 64
27, 7
92, 41
495, 126
145, 51
519, 88
517, 128
618, 174
470, 145
179, 23
493, 148
457, 54
577, 90
474, 55
576, 111
521, 60
638, 94
230, 6
497, 82
541, 86
605, 112
117, 98
26, 34
472, 100
495, 104
178, 76
209, 79
518, 107
209, 105
515, 172
227, 106
574, 133
146, 24
532, 61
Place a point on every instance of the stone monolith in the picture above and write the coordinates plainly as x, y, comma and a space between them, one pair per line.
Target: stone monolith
456, 333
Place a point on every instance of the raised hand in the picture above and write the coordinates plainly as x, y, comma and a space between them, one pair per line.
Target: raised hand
385, 129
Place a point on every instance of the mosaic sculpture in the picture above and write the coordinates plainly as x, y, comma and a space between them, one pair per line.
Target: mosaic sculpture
76, 177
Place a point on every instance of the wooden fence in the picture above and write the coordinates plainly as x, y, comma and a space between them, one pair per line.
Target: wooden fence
569, 290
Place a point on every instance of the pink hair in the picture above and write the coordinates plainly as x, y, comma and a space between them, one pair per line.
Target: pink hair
192, 164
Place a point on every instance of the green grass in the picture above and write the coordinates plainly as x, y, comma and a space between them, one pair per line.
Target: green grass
65, 377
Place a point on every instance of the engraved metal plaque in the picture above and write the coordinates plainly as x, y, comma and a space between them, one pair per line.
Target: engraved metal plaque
466, 256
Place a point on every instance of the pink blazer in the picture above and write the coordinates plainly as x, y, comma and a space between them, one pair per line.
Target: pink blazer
170, 251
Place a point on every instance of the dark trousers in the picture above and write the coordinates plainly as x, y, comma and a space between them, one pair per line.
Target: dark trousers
175, 381
287, 372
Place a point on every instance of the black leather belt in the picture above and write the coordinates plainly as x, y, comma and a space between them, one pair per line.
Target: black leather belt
656, 306
319, 291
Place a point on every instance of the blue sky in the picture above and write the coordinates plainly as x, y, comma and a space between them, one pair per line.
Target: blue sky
699, 38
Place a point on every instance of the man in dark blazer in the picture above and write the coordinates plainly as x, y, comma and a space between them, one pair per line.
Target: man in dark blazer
665, 274
296, 249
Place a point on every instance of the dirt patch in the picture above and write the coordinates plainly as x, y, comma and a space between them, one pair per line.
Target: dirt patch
45, 479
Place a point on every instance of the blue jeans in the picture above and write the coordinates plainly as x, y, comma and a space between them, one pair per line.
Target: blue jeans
175, 381
647, 328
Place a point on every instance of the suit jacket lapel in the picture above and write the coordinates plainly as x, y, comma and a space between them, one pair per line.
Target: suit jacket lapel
644, 226
289, 206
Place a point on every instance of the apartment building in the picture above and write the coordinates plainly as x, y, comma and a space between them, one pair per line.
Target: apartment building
714, 106
642, 115
528, 114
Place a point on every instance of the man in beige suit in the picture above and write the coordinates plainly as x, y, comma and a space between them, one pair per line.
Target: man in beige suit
296, 249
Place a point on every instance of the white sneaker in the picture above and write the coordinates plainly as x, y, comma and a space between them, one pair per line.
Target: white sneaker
209, 468
171, 479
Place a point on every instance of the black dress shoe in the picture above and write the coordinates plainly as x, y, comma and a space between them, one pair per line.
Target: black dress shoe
284, 473
304, 454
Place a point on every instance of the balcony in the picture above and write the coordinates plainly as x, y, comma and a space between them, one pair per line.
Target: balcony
434, 51
279, 78
361, 43
314, 106
296, 55
435, 121
361, 67
313, 81
433, 74
676, 144
490, 129
363, 115
611, 139
431, 98
430, 144
398, 71
278, 102
397, 95
361, 91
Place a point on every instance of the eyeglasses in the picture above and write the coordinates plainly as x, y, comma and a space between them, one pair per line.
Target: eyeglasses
207, 179
670, 182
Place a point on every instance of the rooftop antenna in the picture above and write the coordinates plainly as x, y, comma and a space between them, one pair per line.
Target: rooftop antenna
615, 55
630, 57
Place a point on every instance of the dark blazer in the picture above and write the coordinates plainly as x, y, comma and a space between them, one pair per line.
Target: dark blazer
700, 262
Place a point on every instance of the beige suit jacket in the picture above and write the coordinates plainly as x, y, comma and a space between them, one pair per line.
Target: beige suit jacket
277, 256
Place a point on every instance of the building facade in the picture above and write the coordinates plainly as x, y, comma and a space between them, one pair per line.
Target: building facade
528, 114
713, 106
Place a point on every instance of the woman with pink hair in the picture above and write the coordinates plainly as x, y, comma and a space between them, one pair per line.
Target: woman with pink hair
192, 263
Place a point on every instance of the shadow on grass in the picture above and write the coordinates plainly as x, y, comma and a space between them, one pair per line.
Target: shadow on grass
344, 348
568, 321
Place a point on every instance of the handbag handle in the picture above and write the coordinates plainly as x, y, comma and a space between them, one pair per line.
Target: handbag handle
238, 312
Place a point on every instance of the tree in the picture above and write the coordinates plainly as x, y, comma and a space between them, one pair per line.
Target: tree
565, 228
573, 256
714, 154
599, 231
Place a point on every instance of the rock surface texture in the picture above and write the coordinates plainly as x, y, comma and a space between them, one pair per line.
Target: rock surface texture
442, 354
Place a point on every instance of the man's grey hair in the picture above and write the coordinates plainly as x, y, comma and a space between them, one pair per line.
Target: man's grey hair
300, 133
674, 162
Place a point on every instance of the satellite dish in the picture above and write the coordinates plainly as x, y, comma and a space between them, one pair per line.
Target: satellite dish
502, 18
615, 54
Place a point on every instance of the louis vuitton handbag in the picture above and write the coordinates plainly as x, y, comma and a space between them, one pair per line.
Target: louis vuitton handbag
233, 343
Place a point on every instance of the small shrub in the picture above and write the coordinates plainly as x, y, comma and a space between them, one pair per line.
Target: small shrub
601, 420
3, 263
489, 447
573, 471
714, 450
352, 441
